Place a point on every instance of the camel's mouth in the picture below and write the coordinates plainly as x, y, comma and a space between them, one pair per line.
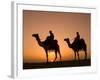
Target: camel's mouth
32, 35
65, 39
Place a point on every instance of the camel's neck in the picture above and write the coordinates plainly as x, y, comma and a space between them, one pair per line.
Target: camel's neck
69, 44
39, 41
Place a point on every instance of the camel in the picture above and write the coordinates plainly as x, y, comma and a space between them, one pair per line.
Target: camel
77, 46
48, 47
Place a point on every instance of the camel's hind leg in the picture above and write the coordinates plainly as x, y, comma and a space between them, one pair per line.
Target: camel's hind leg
85, 50
78, 56
75, 54
59, 54
85, 54
55, 55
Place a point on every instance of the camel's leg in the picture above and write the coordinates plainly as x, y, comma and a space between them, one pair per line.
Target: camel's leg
55, 55
59, 54
46, 55
85, 55
75, 55
78, 56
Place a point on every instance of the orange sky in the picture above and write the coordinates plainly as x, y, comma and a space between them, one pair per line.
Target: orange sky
63, 25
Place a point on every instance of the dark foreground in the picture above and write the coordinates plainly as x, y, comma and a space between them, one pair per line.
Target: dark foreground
74, 63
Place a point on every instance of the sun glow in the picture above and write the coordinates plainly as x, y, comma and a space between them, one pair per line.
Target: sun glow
52, 60
51, 56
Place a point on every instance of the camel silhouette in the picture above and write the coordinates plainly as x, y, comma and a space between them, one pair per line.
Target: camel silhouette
53, 46
77, 46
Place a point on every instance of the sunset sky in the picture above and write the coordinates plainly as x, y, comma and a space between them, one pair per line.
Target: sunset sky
62, 24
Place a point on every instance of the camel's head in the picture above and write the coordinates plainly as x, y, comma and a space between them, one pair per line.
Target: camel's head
35, 35
66, 39
68, 42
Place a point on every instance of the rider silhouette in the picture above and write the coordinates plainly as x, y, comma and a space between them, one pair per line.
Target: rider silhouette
77, 38
51, 35
50, 38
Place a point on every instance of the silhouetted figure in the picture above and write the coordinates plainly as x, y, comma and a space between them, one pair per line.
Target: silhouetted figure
77, 45
50, 39
77, 38
51, 35
48, 47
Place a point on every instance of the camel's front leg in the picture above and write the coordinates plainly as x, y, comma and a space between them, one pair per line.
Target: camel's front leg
46, 55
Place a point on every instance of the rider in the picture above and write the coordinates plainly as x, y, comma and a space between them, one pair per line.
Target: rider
51, 35
50, 38
77, 38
